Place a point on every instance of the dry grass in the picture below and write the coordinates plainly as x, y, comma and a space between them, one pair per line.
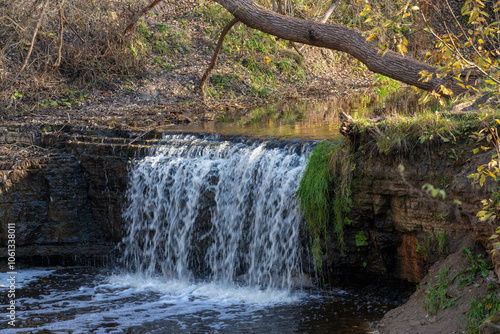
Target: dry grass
46, 43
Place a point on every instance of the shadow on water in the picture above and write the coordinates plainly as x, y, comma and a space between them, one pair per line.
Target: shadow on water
313, 118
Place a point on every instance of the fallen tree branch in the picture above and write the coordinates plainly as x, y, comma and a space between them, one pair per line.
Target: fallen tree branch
213, 63
344, 39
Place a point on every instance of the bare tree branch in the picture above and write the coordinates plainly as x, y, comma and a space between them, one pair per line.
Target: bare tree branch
35, 32
213, 63
330, 11
139, 14
61, 31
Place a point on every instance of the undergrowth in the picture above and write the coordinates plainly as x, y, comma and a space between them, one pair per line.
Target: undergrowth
44, 44
481, 310
437, 298
80, 45
479, 267
400, 133
324, 194
264, 59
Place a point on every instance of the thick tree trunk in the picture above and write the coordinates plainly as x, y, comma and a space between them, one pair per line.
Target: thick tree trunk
340, 38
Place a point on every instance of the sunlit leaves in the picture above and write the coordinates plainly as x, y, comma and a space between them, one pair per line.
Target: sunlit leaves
366, 11
371, 37
402, 49
446, 91
434, 192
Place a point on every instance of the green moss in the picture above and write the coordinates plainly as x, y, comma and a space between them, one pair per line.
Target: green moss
324, 194
441, 242
361, 239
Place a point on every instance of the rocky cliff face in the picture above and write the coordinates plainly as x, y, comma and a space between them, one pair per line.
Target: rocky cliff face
396, 229
43, 193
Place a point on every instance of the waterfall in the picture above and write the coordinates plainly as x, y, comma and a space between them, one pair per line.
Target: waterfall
217, 210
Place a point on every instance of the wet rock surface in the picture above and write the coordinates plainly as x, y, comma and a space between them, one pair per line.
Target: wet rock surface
45, 198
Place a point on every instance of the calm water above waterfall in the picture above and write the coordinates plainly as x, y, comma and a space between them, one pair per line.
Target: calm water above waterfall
213, 245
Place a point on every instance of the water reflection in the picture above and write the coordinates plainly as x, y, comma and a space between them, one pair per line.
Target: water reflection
313, 118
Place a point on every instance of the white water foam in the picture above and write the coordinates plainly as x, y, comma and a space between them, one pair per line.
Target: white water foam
216, 293
137, 303
220, 211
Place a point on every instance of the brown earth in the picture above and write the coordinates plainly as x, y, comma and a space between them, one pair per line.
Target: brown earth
413, 318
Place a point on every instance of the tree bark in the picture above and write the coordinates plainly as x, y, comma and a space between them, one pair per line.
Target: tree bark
339, 38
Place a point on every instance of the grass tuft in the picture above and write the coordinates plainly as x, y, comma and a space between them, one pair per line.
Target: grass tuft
437, 298
400, 133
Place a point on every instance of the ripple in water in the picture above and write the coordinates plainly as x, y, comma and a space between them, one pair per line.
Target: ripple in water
90, 300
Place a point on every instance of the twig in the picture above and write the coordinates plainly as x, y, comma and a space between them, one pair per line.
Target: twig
14, 22
139, 14
38, 24
457, 53
76, 33
330, 11
213, 62
144, 133
297, 49
465, 34
11, 37
431, 199
61, 31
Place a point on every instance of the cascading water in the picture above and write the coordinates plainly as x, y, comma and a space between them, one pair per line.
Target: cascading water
216, 210
212, 246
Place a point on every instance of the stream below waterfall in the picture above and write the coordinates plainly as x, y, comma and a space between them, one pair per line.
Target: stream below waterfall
213, 244
91, 300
